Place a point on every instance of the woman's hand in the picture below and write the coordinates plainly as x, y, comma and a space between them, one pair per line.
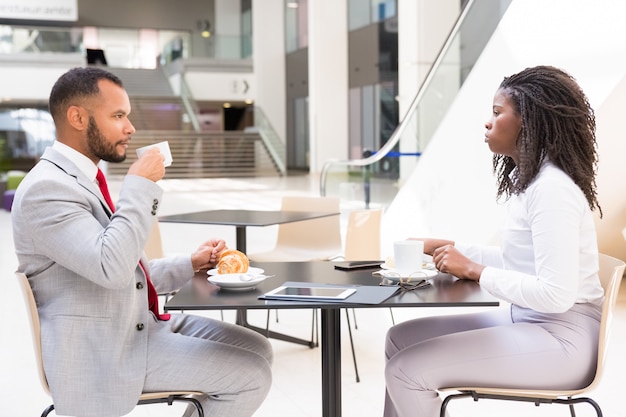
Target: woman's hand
448, 259
207, 255
431, 244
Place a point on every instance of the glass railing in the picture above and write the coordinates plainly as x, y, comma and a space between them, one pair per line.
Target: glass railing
425, 113
272, 142
123, 48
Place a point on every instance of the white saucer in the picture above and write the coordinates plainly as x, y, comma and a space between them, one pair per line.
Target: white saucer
239, 282
426, 266
391, 274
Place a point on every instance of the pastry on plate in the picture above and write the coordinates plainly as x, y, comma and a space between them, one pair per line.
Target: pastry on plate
233, 261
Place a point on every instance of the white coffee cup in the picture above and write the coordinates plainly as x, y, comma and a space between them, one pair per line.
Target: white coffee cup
164, 148
408, 256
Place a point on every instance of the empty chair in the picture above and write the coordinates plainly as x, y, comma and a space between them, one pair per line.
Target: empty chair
154, 246
168, 397
308, 240
363, 235
362, 244
611, 273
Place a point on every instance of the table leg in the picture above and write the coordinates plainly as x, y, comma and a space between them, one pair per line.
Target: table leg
242, 320
240, 238
331, 362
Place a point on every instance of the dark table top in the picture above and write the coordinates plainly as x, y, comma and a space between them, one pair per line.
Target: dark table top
444, 291
239, 217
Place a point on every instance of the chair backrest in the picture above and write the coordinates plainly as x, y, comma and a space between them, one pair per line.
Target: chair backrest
154, 246
322, 234
363, 235
611, 274
33, 321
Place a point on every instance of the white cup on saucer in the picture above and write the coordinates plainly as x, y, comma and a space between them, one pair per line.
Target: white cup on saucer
164, 148
408, 256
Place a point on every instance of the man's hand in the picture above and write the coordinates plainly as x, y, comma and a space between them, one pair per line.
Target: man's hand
207, 255
149, 165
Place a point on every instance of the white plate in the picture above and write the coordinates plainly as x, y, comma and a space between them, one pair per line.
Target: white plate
251, 271
239, 282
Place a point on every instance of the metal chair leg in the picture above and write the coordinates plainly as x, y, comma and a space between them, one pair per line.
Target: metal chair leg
315, 334
537, 401
48, 410
267, 325
356, 369
173, 398
444, 404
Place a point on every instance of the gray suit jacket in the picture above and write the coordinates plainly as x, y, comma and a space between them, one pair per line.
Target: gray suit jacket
82, 263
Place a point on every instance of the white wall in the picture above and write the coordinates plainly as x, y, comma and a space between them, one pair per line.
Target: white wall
452, 191
221, 86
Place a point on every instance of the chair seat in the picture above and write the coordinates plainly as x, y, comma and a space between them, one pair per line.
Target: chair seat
165, 394
530, 393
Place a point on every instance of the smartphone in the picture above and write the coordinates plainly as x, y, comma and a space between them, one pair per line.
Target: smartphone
352, 265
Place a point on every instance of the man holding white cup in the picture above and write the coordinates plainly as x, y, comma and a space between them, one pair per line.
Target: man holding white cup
163, 147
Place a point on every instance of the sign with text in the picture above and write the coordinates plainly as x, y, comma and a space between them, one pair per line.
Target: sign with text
66, 10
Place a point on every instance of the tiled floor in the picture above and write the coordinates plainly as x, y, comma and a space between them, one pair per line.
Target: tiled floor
296, 388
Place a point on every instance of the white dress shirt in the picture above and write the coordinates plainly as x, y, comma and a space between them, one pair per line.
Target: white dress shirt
83, 163
548, 255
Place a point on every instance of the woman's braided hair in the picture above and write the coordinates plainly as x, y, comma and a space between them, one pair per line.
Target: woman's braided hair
558, 125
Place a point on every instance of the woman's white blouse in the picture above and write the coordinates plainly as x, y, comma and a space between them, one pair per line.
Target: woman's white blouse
548, 255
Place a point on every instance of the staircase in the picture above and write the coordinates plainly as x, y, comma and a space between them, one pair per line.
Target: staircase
205, 155
153, 102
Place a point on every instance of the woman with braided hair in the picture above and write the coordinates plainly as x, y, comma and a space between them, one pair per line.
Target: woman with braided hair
542, 134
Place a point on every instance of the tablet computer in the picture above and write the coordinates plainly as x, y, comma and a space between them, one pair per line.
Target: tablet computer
291, 292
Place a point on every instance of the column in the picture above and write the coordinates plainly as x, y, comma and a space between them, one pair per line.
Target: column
328, 81
228, 28
268, 50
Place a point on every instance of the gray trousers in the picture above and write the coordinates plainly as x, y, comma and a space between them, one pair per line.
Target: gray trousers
509, 348
230, 363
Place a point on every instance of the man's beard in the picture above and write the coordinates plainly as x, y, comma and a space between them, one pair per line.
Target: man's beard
99, 146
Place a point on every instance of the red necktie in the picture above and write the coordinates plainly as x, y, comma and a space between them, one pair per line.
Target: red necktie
153, 298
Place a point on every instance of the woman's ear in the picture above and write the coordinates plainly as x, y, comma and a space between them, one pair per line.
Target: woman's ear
77, 117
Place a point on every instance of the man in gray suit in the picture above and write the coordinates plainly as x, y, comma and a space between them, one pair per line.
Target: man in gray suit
102, 345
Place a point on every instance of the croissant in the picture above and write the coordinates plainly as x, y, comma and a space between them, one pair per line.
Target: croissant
232, 261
